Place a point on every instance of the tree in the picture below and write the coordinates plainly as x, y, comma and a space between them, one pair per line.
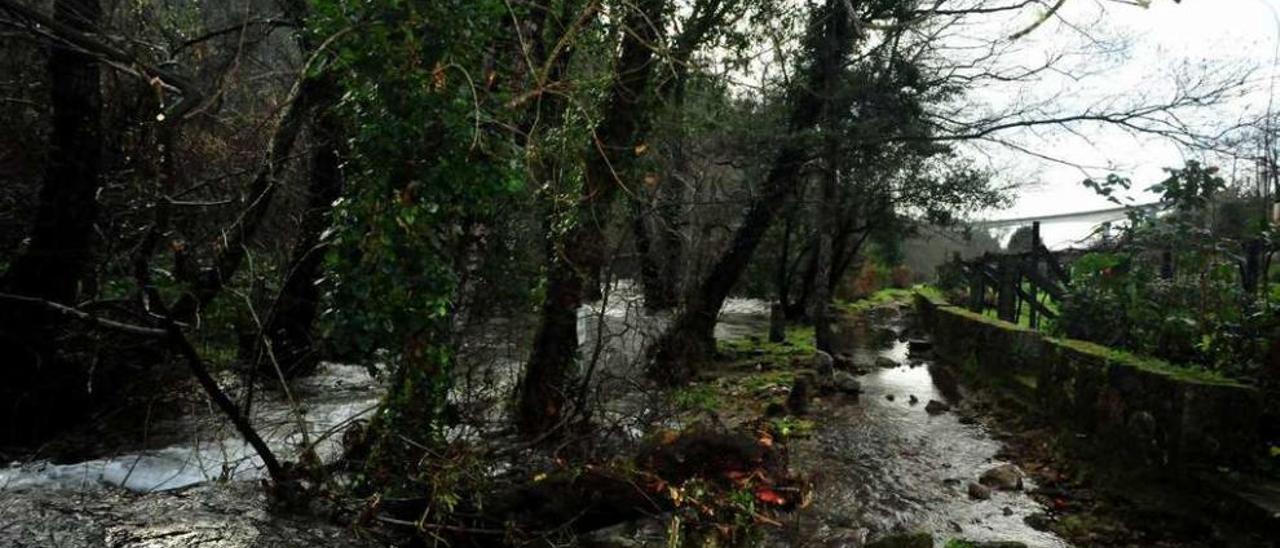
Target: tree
616, 141
42, 391
691, 336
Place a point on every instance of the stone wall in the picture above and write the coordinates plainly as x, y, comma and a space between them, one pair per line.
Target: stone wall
1131, 407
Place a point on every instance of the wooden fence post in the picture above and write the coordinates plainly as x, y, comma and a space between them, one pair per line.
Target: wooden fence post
1034, 265
1007, 298
977, 288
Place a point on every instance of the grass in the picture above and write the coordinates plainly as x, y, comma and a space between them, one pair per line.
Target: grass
759, 381
700, 397
879, 298
989, 320
799, 342
789, 426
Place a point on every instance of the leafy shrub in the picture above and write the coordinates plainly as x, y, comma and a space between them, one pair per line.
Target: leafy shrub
1172, 286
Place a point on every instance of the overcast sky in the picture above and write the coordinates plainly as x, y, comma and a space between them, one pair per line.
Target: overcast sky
1164, 39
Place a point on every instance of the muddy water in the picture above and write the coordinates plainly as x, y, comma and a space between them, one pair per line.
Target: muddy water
886, 466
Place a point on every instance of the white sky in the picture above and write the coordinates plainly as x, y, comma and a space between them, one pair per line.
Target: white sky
1114, 54
1191, 36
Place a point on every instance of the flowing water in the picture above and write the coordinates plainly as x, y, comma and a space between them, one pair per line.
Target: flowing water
883, 466
315, 409
879, 466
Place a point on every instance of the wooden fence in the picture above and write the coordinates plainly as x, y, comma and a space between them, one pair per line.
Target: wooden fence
1012, 282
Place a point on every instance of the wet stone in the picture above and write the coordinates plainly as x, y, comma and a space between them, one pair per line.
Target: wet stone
904, 540
885, 362
978, 491
1005, 477
823, 365
845, 361
846, 383
801, 392
935, 407
1039, 521
919, 346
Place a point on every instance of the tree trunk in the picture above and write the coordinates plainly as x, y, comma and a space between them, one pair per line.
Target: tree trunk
208, 282
660, 249
40, 392
662, 267
804, 304
289, 326
584, 250
848, 243
692, 337
820, 308
782, 277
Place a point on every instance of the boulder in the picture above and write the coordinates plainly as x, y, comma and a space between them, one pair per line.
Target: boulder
886, 362
919, 346
823, 364
978, 491
845, 382
1039, 521
1005, 477
845, 361
904, 540
935, 407
801, 391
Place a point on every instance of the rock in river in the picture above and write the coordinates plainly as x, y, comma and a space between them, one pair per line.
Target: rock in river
907, 540
845, 382
935, 407
886, 362
823, 365
1005, 477
978, 491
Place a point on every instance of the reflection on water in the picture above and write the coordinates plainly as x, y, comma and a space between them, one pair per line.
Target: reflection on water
883, 465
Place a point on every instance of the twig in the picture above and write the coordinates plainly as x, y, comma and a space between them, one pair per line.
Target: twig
85, 316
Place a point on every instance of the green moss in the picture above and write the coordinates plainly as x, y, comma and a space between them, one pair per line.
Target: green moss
1145, 363
789, 426
1154, 365
985, 319
759, 381
879, 298
703, 397
931, 293
1028, 381
799, 342
957, 543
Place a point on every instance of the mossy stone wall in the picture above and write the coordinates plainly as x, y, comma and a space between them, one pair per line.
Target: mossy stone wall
1140, 409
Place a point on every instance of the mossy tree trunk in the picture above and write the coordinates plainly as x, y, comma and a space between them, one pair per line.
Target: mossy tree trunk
583, 251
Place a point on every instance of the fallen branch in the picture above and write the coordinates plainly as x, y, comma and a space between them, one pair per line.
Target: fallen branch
173, 331
87, 317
